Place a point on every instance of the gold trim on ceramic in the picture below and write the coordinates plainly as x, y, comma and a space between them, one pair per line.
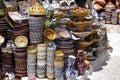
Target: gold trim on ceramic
42, 45
21, 41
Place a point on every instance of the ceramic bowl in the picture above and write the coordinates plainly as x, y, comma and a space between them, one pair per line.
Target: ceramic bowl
82, 26
82, 35
80, 13
84, 45
50, 34
59, 15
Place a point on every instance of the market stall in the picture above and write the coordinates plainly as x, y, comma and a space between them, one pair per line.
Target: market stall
50, 40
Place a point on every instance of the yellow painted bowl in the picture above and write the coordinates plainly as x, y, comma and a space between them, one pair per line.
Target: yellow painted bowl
80, 13
49, 34
59, 15
82, 26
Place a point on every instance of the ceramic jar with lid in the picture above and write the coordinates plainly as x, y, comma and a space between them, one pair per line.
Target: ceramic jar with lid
51, 47
59, 70
31, 60
36, 30
41, 60
41, 51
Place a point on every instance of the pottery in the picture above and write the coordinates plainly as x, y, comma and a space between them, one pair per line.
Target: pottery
59, 55
62, 33
82, 26
63, 21
71, 72
82, 35
24, 6
110, 6
37, 10
59, 15
97, 7
82, 67
100, 2
55, 4
83, 45
67, 4
80, 13
50, 34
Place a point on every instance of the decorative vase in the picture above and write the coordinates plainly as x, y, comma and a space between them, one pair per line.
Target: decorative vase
71, 72
82, 67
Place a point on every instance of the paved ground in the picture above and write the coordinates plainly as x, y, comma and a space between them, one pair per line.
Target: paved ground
111, 68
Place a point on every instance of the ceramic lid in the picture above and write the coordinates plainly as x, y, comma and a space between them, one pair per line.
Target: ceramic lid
37, 9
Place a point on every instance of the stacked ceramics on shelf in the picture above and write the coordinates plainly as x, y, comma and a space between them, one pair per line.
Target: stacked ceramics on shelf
18, 40
66, 46
54, 50
38, 48
59, 65
17, 36
4, 26
31, 61
6, 60
83, 30
91, 37
41, 60
37, 13
36, 30
71, 20
50, 71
